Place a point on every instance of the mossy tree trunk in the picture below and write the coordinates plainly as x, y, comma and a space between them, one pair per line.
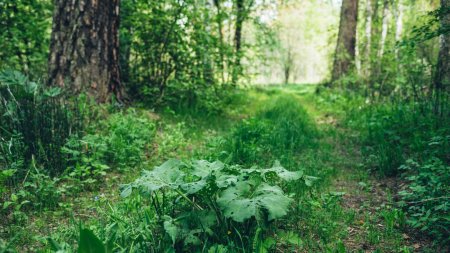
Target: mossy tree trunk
84, 49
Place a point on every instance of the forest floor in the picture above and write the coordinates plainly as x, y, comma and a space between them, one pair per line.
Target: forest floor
353, 211
370, 221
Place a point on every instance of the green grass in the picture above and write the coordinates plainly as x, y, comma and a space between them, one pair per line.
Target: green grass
337, 206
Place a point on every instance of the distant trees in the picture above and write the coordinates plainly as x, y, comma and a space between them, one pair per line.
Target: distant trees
84, 49
344, 57
24, 35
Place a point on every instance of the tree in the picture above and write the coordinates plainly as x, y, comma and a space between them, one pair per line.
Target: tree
84, 48
368, 36
442, 76
240, 18
345, 49
219, 21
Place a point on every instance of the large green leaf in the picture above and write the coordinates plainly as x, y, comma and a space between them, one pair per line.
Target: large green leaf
283, 173
189, 226
241, 202
171, 228
89, 243
203, 169
168, 175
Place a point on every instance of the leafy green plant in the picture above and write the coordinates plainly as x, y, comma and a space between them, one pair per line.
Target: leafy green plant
38, 192
123, 143
128, 137
43, 190
35, 123
393, 218
4, 176
216, 197
426, 197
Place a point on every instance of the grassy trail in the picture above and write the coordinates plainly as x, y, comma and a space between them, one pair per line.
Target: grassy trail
347, 210
369, 221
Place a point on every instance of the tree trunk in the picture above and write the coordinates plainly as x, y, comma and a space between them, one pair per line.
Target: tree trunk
442, 77
288, 65
219, 20
368, 35
240, 17
84, 49
384, 29
344, 58
398, 25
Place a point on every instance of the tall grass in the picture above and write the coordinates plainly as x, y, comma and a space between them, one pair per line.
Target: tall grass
35, 124
278, 131
392, 133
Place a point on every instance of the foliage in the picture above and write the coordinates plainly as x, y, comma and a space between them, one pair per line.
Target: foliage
128, 138
426, 197
216, 197
172, 54
409, 140
123, 143
38, 192
390, 133
26, 35
277, 132
35, 122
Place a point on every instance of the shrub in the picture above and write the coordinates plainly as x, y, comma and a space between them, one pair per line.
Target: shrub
35, 123
127, 138
213, 203
392, 133
425, 197
122, 143
199, 205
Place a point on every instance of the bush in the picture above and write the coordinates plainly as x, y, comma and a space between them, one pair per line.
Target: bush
122, 144
127, 138
35, 123
392, 133
426, 199
199, 204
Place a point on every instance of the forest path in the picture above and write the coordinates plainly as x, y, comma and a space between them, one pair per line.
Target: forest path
350, 211
370, 222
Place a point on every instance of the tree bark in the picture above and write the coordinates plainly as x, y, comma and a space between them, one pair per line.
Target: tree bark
442, 76
384, 29
84, 49
240, 17
368, 34
219, 20
344, 58
398, 25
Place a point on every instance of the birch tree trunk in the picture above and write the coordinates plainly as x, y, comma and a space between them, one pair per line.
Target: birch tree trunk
384, 29
398, 24
84, 49
368, 35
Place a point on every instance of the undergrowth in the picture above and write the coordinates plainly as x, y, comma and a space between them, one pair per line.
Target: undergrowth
409, 141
